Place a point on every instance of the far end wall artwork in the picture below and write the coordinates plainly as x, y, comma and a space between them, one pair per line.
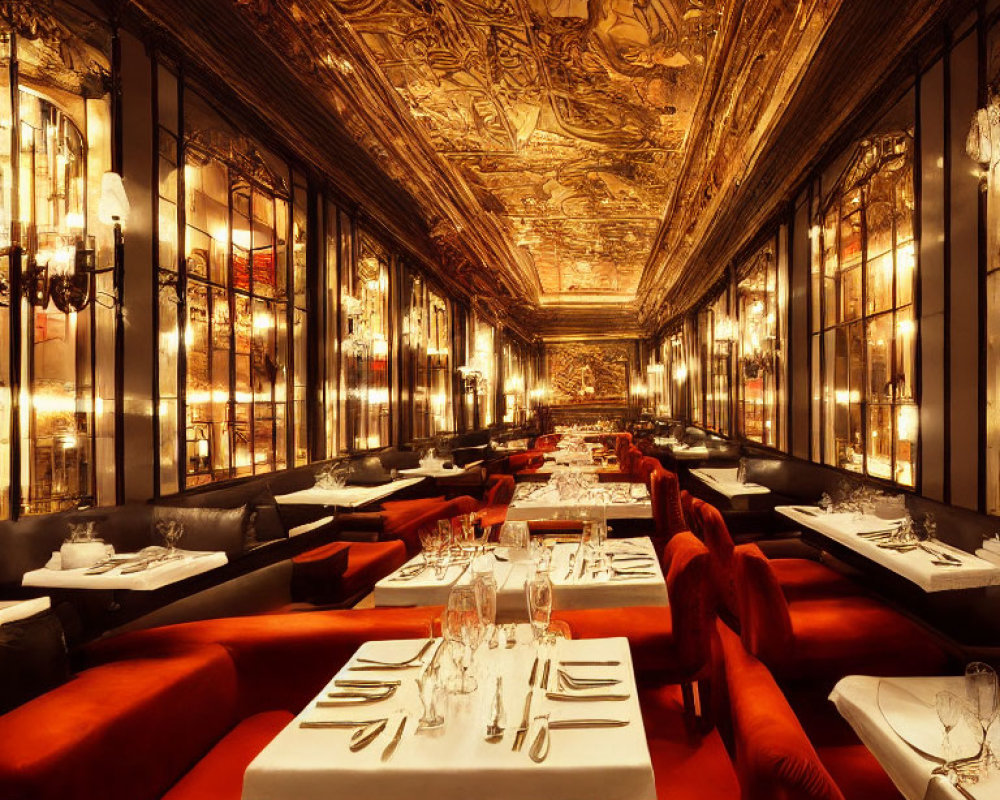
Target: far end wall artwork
588, 373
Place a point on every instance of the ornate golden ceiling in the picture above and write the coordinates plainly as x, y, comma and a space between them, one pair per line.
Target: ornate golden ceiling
570, 160
566, 117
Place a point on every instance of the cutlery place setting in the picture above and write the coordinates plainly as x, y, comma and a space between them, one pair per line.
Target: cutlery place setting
371, 664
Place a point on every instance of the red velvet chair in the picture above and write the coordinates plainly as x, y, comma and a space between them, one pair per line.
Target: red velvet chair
669, 645
799, 578
548, 442
664, 492
774, 756
525, 462
645, 469
499, 493
629, 463
826, 639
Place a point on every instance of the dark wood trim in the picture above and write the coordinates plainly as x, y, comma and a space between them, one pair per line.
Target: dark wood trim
16, 324
982, 251
154, 256
918, 182
946, 258
181, 411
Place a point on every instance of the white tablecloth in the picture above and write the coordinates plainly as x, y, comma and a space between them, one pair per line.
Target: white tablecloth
348, 497
723, 481
437, 471
547, 505
569, 591
856, 698
153, 577
13, 610
455, 762
683, 451
916, 566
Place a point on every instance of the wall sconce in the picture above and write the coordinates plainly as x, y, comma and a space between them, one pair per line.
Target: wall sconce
71, 282
471, 379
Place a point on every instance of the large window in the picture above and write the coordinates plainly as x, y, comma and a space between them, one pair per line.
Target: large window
864, 329
54, 149
232, 307
366, 344
426, 361
759, 308
716, 333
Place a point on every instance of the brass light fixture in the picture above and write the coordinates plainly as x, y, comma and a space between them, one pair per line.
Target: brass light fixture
74, 289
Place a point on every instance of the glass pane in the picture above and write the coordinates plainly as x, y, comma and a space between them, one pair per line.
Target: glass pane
880, 442
907, 426
906, 365
880, 283
880, 335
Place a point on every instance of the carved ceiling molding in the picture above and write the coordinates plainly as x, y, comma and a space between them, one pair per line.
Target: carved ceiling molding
324, 46
767, 46
860, 51
57, 54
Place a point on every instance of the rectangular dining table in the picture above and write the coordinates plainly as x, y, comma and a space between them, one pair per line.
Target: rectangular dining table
546, 505
724, 481
571, 588
156, 576
455, 762
346, 496
917, 566
907, 747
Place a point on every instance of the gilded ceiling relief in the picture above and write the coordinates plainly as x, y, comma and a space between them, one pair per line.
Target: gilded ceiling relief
565, 116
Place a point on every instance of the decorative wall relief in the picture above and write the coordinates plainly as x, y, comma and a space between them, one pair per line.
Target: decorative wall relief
588, 372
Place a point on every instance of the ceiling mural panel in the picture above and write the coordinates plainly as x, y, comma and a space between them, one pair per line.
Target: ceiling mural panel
565, 117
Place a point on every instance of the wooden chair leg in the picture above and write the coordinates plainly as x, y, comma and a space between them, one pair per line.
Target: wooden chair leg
705, 705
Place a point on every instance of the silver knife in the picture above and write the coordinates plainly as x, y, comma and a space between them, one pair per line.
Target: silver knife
585, 697
365, 736
391, 747
558, 724
522, 730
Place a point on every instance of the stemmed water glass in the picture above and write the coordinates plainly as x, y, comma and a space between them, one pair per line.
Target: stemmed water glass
981, 692
462, 627
538, 593
485, 585
949, 710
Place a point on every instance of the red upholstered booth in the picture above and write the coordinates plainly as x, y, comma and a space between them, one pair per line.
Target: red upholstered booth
548, 442
366, 564
799, 578
827, 638
499, 493
403, 519
775, 758
192, 703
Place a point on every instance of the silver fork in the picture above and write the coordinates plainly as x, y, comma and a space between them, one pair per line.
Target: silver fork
404, 663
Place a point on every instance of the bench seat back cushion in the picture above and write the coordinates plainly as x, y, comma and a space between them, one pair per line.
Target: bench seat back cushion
126, 729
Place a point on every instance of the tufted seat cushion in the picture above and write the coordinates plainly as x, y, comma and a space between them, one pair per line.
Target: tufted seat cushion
219, 775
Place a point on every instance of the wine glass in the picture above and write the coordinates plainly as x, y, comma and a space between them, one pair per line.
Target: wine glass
485, 585
171, 530
981, 691
949, 710
538, 593
463, 628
